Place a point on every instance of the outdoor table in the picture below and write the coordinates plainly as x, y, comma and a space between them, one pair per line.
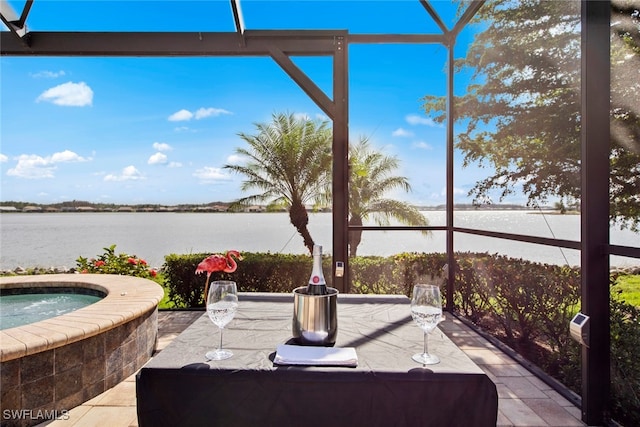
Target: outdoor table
387, 388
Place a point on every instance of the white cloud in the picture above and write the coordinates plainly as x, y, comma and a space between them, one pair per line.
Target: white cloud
235, 159
414, 119
3, 158
210, 174
32, 166
182, 129
48, 74
174, 165
422, 145
161, 146
402, 132
208, 112
67, 156
181, 116
68, 94
130, 173
202, 113
157, 159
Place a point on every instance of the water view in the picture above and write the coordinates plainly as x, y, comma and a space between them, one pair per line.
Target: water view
58, 239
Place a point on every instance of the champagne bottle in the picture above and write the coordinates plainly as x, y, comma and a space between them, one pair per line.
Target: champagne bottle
317, 284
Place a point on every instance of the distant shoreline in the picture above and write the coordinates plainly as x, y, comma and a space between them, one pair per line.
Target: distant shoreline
5, 207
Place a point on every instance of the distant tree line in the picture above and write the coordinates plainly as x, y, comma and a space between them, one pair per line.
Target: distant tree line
76, 204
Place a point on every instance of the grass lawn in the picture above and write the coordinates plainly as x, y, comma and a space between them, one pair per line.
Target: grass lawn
164, 302
628, 287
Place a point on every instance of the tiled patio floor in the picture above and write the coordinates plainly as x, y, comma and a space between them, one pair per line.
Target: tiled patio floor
524, 400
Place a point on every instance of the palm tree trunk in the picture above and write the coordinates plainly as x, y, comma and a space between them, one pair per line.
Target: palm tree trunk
355, 237
300, 219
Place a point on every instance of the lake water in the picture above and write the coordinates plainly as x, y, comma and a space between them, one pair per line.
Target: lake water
58, 239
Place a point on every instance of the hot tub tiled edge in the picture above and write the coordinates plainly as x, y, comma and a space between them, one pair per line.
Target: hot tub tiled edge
59, 363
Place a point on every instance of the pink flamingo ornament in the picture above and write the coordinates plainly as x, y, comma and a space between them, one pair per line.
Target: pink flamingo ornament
217, 262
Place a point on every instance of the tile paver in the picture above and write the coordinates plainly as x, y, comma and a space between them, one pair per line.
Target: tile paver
523, 388
503, 421
552, 412
102, 416
123, 394
523, 399
519, 414
507, 370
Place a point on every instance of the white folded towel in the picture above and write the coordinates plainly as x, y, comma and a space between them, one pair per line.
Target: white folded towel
320, 356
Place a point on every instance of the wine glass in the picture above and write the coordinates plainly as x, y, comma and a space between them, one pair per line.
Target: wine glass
426, 311
222, 304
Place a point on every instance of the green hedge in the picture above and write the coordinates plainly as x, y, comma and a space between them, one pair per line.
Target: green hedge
625, 362
528, 305
268, 272
257, 272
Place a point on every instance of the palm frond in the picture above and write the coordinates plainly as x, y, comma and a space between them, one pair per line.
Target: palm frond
371, 179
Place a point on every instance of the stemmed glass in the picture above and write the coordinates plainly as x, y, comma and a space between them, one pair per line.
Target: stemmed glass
222, 304
426, 311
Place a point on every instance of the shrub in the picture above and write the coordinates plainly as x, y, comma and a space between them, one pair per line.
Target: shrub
111, 263
625, 363
268, 272
179, 280
528, 301
469, 296
372, 275
257, 272
412, 268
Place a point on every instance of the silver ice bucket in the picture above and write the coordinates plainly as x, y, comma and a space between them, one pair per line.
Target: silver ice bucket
315, 317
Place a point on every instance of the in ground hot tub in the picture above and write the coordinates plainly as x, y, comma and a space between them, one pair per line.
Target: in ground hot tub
50, 366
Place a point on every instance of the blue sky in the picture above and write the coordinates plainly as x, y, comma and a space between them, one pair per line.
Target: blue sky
159, 130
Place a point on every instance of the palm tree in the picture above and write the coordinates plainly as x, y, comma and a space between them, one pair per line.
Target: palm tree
289, 163
370, 179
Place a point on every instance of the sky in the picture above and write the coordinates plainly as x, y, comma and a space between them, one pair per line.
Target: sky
160, 130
